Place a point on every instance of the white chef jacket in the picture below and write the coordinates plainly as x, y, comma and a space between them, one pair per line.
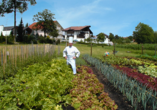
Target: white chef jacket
71, 52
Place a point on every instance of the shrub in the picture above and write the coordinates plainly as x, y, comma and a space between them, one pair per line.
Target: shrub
48, 40
58, 41
2, 38
10, 39
42, 40
29, 39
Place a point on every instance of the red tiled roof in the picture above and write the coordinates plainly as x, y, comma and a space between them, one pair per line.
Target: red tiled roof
32, 26
75, 28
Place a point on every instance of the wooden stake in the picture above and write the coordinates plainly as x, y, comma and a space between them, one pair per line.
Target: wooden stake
91, 49
142, 49
155, 50
3, 64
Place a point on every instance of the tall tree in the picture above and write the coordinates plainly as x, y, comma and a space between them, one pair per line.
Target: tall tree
101, 37
117, 37
26, 25
111, 36
8, 6
143, 33
46, 23
20, 32
130, 38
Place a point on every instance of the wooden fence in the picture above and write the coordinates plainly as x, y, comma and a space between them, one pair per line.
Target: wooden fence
18, 54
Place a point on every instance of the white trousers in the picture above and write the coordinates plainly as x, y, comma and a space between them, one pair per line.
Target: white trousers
73, 65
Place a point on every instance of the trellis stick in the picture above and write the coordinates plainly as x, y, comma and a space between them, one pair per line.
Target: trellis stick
142, 49
26, 52
15, 56
9, 57
3, 63
21, 56
155, 50
1, 57
44, 49
6, 53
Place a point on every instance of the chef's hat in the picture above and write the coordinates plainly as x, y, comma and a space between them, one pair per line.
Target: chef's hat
70, 39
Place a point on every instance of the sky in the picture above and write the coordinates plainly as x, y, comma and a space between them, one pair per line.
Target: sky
119, 17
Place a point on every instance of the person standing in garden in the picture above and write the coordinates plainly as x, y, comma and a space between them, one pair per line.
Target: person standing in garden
70, 53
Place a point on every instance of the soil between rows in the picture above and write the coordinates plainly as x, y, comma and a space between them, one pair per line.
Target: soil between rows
115, 94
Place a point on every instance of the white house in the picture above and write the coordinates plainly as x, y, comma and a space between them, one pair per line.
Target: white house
38, 30
78, 32
6, 30
106, 40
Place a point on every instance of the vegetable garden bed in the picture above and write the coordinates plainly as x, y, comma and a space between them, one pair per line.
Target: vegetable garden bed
52, 86
140, 95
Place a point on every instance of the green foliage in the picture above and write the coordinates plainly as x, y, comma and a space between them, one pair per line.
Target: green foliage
84, 91
131, 38
20, 32
58, 42
10, 39
48, 40
88, 39
45, 22
143, 33
145, 56
26, 25
42, 39
149, 70
155, 36
148, 49
119, 40
11, 69
2, 38
29, 39
111, 36
133, 90
101, 37
117, 37
80, 61
40, 86
7, 6
53, 31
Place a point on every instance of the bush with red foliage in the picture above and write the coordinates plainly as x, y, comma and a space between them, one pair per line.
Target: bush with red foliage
87, 69
142, 78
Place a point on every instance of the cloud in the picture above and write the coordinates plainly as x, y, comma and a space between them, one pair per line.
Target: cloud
73, 15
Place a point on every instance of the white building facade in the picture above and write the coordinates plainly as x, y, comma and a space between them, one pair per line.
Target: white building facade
5, 32
80, 33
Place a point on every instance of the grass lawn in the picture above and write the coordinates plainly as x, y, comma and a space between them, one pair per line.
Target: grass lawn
98, 51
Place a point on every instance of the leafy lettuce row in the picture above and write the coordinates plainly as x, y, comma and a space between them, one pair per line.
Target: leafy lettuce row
133, 90
87, 92
145, 67
40, 86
